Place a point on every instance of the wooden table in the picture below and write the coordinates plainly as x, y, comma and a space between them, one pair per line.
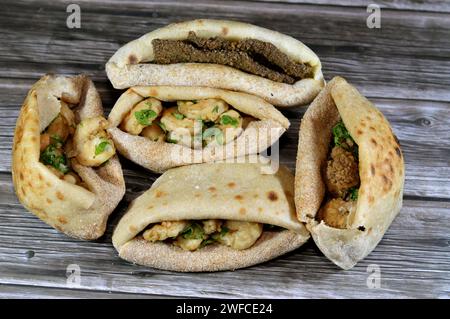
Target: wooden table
403, 67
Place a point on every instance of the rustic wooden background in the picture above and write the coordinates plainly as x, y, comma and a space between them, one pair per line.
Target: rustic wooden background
404, 68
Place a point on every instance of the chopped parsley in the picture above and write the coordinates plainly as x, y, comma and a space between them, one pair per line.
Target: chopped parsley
342, 138
216, 109
162, 126
101, 147
193, 231
353, 193
145, 117
178, 116
56, 140
54, 157
228, 120
169, 140
213, 131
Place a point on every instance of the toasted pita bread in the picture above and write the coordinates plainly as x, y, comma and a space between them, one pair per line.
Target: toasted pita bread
129, 65
231, 191
160, 156
381, 171
72, 209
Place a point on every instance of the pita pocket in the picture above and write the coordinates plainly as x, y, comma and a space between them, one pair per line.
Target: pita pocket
221, 54
64, 166
221, 216
161, 127
350, 174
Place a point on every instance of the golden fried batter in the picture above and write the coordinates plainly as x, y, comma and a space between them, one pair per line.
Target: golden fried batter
341, 172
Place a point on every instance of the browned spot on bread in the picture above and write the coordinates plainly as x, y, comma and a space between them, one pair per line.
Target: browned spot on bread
59, 195
40, 176
398, 152
33, 139
62, 220
212, 189
368, 118
153, 92
272, 196
260, 209
374, 142
242, 211
363, 124
359, 132
133, 228
224, 30
35, 121
387, 183
132, 59
160, 194
231, 185
30, 184
372, 169
372, 128
238, 197
371, 199
23, 191
150, 207
49, 200
197, 195
21, 176
289, 194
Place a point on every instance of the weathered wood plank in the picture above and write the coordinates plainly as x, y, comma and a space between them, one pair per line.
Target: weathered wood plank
410, 50
37, 292
414, 258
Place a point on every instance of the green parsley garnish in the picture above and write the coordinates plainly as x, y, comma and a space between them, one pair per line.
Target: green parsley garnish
353, 193
56, 140
144, 117
169, 140
100, 148
54, 157
342, 138
178, 116
162, 126
193, 231
228, 120
213, 131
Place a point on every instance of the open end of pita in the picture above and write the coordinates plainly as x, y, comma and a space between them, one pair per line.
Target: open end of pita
193, 123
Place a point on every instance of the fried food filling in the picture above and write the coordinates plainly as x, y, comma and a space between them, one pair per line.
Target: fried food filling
249, 55
341, 176
88, 143
193, 235
194, 124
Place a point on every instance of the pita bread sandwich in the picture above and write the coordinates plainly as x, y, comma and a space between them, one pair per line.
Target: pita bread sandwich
64, 166
350, 174
160, 127
211, 217
220, 54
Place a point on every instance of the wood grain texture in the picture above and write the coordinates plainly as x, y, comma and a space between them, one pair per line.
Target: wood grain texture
404, 68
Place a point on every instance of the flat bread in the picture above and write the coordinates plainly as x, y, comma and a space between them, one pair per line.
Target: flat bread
230, 191
381, 171
160, 156
131, 64
71, 209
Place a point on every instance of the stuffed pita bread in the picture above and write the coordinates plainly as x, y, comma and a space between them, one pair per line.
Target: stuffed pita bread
221, 54
64, 166
221, 216
160, 127
350, 174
